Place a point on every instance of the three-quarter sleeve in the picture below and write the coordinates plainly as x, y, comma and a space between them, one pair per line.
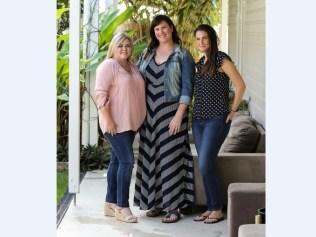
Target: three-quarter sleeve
187, 74
104, 79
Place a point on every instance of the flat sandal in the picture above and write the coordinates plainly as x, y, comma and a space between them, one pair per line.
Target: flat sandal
201, 217
169, 214
213, 220
154, 212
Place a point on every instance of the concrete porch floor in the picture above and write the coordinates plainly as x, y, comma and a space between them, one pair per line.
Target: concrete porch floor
87, 219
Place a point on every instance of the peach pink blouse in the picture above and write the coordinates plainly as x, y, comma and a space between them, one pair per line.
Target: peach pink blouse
123, 92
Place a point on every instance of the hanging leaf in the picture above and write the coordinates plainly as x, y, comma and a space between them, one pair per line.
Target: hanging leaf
62, 38
60, 12
63, 97
107, 33
97, 58
105, 18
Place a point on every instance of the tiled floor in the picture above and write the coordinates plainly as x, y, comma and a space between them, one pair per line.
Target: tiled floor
86, 218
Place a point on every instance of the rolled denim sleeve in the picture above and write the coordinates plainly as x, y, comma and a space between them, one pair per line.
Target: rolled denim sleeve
187, 75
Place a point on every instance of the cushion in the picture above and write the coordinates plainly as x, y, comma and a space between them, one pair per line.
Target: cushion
243, 136
251, 230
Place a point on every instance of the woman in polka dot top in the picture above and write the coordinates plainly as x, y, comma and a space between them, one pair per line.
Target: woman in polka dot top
211, 113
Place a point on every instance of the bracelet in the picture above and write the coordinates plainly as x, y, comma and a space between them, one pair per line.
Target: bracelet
233, 110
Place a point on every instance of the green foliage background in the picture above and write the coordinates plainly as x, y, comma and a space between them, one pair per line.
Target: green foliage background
135, 20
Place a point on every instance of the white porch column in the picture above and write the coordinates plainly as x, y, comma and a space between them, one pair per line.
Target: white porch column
74, 97
240, 34
224, 27
90, 48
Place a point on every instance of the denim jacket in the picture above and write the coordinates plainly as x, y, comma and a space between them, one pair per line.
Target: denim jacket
178, 74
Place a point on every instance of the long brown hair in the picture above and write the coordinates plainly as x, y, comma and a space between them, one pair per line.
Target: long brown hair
210, 66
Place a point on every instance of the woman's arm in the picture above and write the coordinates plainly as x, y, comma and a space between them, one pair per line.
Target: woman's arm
108, 123
104, 80
187, 75
230, 70
175, 123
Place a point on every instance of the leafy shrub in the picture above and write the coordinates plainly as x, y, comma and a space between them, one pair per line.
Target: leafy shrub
94, 158
91, 157
62, 153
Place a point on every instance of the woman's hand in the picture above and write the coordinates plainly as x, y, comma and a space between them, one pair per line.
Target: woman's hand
230, 116
175, 124
106, 121
110, 127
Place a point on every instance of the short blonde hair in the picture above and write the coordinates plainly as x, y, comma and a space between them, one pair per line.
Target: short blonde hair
116, 40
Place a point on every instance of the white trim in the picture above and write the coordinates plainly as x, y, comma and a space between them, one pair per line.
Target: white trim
240, 33
74, 97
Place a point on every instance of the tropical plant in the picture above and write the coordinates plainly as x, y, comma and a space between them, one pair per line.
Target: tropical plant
62, 76
187, 15
94, 157
135, 20
109, 21
91, 156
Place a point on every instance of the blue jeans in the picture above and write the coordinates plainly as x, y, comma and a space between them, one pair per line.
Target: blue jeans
209, 135
120, 168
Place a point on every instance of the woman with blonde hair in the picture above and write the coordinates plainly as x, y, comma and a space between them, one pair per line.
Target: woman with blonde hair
120, 98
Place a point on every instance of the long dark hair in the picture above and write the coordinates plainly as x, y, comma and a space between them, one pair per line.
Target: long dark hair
210, 66
154, 43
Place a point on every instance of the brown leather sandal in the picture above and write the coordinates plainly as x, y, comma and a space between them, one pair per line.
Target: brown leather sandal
154, 212
168, 218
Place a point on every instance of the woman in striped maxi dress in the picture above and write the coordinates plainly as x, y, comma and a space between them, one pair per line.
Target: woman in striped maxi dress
164, 178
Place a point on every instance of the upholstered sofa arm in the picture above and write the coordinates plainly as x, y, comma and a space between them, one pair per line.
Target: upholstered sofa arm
232, 168
244, 199
252, 230
240, 168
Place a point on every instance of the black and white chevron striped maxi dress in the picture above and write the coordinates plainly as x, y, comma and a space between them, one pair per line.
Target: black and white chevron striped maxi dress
164, 177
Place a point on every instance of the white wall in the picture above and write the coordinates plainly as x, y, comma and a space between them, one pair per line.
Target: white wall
246, 46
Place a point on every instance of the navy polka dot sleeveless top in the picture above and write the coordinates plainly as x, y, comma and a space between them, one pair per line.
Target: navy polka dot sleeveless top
211, 94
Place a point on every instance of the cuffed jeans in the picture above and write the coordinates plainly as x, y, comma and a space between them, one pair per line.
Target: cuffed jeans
120, 168
209, 135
